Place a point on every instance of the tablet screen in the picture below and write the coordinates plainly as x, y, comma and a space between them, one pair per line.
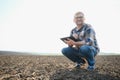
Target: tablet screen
66, 38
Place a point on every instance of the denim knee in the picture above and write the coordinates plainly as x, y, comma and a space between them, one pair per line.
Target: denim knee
64, 51
84, 49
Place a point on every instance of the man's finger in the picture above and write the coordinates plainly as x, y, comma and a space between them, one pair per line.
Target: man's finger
65, 41
68, 39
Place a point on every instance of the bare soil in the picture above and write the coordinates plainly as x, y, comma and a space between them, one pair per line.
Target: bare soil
26, 67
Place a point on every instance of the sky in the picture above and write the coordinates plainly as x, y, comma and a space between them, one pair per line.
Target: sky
38, 25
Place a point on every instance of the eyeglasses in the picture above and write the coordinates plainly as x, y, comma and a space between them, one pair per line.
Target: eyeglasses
79, 17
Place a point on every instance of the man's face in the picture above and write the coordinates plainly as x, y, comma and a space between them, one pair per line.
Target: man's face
79, 19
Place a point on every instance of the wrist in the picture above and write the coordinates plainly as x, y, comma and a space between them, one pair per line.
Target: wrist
74, 43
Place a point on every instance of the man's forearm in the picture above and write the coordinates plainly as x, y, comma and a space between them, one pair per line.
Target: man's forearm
79, 43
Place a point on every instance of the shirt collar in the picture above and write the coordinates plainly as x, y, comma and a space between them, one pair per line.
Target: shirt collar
80, 28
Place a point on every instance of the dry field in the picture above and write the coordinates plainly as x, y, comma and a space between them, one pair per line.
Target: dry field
19, 67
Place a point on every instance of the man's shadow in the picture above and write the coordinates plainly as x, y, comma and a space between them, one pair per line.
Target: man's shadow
81, 74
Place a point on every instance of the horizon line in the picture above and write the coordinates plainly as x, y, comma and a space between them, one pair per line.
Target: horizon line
4, 52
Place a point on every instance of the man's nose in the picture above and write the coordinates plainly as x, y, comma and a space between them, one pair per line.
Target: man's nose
78, 19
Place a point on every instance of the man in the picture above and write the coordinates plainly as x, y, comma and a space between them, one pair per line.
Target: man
86, 46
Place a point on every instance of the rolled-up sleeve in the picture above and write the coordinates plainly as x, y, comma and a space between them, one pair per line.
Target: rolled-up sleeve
89, 36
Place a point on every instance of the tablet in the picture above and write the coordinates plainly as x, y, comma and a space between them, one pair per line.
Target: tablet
66, 38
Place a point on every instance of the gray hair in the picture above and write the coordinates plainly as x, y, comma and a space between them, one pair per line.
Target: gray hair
79, 13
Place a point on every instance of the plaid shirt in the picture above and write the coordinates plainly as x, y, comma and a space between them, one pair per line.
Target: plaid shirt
86, 33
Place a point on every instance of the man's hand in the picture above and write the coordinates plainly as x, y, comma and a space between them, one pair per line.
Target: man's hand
70, 42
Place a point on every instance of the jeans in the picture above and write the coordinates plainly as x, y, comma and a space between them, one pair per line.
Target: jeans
85, 51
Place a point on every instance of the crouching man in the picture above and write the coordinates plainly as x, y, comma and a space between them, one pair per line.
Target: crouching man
86, 45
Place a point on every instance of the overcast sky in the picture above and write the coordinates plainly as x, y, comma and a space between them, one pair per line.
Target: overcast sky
38, 25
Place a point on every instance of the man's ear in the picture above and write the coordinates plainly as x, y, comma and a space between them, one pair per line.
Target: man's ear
74, 20
84, 18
